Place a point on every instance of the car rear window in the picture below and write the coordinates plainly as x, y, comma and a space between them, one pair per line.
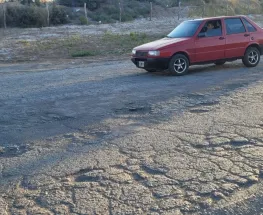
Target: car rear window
234, 26
249, 26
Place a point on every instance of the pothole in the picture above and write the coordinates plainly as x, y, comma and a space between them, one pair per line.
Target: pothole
199, 110
239, 143
14, 150
55, 116
195, 96
87, 178
154, 170
208, 103
134, 110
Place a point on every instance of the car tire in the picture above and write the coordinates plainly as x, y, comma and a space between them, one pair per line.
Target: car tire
220, 63
251, 57
151, 70
179, 65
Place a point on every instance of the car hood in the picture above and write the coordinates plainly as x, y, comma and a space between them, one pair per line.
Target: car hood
159, 44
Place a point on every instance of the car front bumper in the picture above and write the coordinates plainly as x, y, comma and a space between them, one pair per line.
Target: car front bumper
151, 63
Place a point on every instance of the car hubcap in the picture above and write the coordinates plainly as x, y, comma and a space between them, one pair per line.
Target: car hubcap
180, 65
253, 57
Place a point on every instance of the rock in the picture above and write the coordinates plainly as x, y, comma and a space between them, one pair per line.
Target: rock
227, 147
38, 211
219, 149
132, 162
61, 210
140, 175
206, 203
122, 178
253, 178
92, 176
3, 207
256, 171
204, 189
218, 195
172, 212
16, 212
170, 203
189, 207
114, 171
195, 198
2, 150
22, 203
236, 179
217, 141
229, 187
201, 144
68, 179
134, 168
166, 191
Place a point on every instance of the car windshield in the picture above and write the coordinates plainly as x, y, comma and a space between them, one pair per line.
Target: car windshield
185, 29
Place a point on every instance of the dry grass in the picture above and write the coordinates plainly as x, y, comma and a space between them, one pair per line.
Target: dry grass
105, 45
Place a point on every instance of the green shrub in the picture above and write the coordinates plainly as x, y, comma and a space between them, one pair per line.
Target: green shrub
83, 53
25, 16
29, 2
33, 16
58, 15
83, 20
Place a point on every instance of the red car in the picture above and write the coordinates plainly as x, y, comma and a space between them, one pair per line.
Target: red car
200, 41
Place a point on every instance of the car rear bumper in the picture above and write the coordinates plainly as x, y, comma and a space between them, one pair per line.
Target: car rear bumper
152, 63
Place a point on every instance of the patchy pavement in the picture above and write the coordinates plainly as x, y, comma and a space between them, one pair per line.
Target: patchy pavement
107, 138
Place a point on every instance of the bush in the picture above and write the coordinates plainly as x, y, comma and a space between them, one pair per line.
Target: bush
58, 16
83, 20
83, 53
33, 16
28, 2
25, 16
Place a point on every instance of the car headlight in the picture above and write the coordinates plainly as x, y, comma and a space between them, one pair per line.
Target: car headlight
154, 53
134, 52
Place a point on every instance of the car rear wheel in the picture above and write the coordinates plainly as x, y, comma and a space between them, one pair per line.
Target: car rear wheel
219, 63
252, 57
179, 65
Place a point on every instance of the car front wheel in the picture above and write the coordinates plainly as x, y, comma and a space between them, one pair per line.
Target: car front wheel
252, 57
179, 65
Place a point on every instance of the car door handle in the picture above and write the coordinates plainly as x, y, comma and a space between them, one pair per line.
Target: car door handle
221, 38
247, 35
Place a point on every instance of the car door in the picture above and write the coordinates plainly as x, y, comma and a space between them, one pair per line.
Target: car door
210, 43
237, 38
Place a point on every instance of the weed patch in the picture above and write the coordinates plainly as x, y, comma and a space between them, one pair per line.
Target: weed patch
83, 53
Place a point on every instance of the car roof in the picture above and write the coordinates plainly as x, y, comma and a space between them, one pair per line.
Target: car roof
217, 17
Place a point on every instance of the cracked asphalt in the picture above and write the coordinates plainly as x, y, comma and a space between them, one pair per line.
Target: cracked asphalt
107, 138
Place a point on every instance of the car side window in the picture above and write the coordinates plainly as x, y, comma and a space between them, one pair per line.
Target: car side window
249, 26
234, 26
212, 28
